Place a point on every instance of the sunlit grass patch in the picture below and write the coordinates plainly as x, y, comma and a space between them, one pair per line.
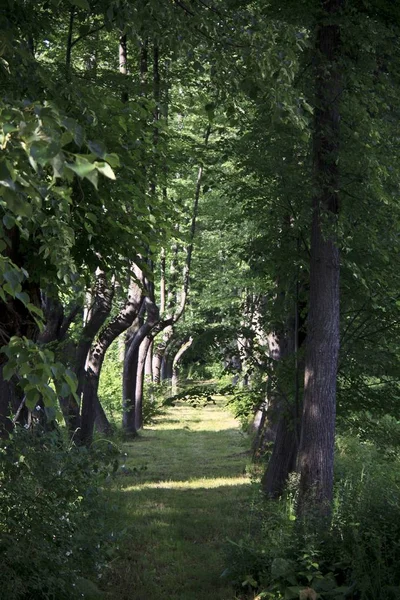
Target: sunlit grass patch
202, 483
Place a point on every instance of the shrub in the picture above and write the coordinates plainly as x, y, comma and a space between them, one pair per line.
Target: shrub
53, 534
356, 557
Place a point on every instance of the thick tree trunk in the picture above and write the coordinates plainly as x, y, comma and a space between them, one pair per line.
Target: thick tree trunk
166, 369
108, 334
284, 453
130, 414
84, 369
282, 413
316, 454
56, 328
102, 424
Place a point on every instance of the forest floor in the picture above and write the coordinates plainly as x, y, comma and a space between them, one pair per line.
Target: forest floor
182, 493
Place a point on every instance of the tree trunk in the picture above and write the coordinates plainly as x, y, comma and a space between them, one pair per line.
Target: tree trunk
108, 334
148, 372
84, 369
282, 412
130, 414
143, 350
157, 362
176, 361
316, 454
284, 453
129, 390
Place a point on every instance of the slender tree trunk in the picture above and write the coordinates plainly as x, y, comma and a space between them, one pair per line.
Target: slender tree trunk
157, 362
284, 453
176, 361
129, 389
316, 454
123, 64
143, 350
149, 363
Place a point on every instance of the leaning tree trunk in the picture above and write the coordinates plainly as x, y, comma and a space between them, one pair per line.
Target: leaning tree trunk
176, 361
129, 379
316, 454
108, 334
101, 308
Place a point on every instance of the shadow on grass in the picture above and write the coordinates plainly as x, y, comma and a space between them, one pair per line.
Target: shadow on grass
179, 513
181, 454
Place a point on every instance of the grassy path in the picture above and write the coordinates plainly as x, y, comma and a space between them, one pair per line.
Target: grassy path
193, 495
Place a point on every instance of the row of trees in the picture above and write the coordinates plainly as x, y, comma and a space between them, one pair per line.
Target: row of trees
178, 170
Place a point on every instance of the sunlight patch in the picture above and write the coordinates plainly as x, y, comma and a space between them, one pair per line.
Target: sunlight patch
194, 484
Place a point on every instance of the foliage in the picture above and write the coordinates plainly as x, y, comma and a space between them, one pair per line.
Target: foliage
355, 557
54, 536
153, 401
35, 367
195, 396
243, 401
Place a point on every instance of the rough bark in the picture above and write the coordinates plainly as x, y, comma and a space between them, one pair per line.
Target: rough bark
131, 364
97, 314
107, 335
282, 412
316, 454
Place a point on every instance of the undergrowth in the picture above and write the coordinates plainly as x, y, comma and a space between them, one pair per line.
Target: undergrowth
55, 524
355, 556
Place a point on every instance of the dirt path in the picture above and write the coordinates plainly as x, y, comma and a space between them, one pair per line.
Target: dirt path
183, 493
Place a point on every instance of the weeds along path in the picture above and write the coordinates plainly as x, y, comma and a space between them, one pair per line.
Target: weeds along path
179, 512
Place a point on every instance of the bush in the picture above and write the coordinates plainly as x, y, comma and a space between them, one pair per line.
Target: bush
356, 557
153, 401
53, 533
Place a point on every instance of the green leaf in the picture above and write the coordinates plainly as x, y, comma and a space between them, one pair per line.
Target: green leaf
32, 398
43, 152
8, 221
8, 372
93, 177
281, 568
82, 167
105, 169
293, 592
23, 297
34, 309
112, 159
97, 147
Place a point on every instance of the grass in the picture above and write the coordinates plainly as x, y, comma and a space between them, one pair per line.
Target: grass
182, 492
